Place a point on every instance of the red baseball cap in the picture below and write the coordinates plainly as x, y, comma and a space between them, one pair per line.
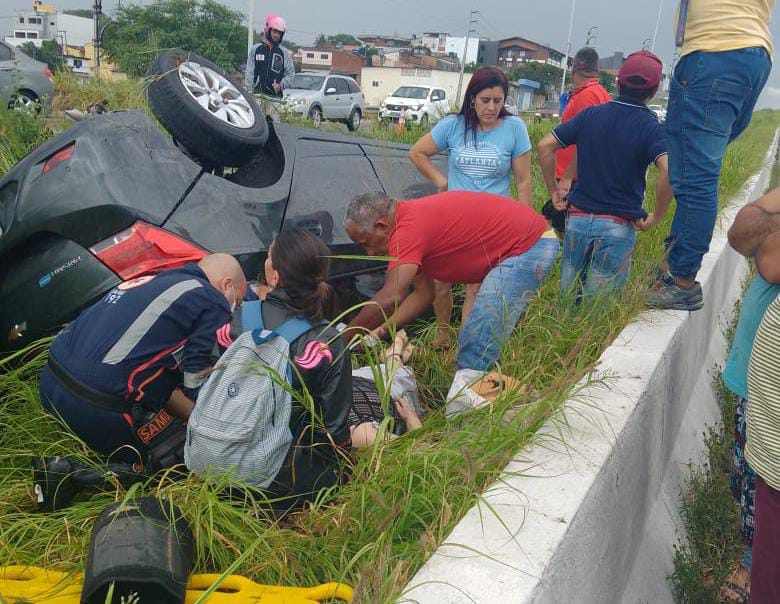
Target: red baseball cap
641, 69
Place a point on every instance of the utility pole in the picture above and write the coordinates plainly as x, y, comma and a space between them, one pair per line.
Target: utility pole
98, 10
250, 27
657, 23
568, 47
471, 22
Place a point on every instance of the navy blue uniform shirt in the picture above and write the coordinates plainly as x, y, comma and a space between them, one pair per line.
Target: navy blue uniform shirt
146, 337
616, 142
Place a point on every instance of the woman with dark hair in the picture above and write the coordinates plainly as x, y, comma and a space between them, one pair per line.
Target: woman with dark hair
487, 146
320, 375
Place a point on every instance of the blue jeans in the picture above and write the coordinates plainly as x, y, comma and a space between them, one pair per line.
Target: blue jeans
711, 100
596, 255
501, 301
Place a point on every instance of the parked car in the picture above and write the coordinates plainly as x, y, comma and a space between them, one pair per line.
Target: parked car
548, 109
113, 198
659, 110
321, 96
421, 104
24, 82
511, 106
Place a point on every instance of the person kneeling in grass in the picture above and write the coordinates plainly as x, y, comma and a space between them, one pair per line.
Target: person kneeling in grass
455, 237
616, 142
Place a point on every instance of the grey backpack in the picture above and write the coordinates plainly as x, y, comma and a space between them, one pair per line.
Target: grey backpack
241, 421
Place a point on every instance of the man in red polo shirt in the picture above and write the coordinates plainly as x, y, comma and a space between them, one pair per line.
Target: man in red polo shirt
587, 93
455, 237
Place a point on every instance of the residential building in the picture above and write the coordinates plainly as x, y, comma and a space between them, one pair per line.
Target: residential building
512, 51
81, 60
328, 59
43, 22
487, 53
418, 57
436, 41
612, 64
454, 46
379, 82
525, 93
385, 42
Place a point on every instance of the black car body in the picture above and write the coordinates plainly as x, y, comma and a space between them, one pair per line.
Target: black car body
112, 198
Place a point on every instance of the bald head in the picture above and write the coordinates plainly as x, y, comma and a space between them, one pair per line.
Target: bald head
224, 273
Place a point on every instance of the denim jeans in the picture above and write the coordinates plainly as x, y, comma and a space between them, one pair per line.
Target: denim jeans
711, 100
501, 301
596, 255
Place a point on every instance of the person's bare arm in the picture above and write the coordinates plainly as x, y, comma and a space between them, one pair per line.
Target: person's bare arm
546, 155
413, 305
521, 167
663, 196
421, 154
179, 405
755, 222
768, 258
386, 301
569, 174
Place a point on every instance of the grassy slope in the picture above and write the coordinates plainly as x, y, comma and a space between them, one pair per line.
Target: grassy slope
405, 497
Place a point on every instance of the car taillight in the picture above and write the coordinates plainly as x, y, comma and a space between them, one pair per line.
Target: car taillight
59, 157
144, 249
47, 72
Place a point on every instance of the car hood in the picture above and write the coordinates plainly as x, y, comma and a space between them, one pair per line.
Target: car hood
399, 100
296, 93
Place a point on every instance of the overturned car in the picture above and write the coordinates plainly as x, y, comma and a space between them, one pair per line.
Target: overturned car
113, 198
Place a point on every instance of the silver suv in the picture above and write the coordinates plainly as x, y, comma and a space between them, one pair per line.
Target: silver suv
321, 96
24, 82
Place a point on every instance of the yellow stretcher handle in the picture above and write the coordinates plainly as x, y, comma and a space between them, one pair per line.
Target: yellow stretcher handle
40, 586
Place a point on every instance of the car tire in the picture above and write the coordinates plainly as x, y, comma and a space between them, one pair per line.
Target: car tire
354, 119
25, 100
424, 119
214, 135
315, 115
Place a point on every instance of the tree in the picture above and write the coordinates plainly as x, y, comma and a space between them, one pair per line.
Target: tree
205, 27
470, 67
607, 80
321, 41
549, 76
49, 53
291, 46
343, 39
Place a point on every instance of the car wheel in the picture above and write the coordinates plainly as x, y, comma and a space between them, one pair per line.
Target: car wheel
424, 119
315, 115
25, 101
353, 123
204, 110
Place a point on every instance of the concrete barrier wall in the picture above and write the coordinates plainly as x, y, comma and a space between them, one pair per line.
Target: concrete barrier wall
594, 516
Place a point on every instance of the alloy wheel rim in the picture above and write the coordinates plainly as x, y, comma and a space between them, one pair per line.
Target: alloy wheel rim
216, 94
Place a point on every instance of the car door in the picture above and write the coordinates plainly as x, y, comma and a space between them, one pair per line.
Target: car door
343, 98
356, 95
442, 104
330, 103
6, 73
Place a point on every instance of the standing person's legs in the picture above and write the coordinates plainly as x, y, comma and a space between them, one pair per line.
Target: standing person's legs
442, 310
764, 576
613, 244
501, 301
472, 289
576, 256
712, 96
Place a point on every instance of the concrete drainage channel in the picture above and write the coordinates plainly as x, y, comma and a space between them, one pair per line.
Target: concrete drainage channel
596, 519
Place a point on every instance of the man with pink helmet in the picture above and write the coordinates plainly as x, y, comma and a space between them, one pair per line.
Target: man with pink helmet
269, 66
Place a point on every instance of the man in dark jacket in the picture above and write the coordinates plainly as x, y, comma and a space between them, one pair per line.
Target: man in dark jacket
269, 66
124, 374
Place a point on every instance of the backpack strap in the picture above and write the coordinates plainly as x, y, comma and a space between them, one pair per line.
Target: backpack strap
252, 315
292, 329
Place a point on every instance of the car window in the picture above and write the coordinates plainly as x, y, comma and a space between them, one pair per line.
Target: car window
5, 53
442, 94
303, 81
412, 92
331, 83
341, 86
353, 87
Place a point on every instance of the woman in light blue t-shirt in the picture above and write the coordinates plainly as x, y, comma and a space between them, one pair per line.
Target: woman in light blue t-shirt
486, 146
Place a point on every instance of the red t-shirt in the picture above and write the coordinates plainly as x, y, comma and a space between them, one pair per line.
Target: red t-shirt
458, 236
589, 94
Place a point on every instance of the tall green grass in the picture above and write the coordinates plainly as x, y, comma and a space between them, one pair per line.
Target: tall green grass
405, 495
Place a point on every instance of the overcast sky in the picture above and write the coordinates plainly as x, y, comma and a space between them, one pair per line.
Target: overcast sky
622, 25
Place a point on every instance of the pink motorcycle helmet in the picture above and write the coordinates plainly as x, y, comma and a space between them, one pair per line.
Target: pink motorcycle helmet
274, 22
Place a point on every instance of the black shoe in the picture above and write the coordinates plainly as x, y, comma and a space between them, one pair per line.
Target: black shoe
666, 294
